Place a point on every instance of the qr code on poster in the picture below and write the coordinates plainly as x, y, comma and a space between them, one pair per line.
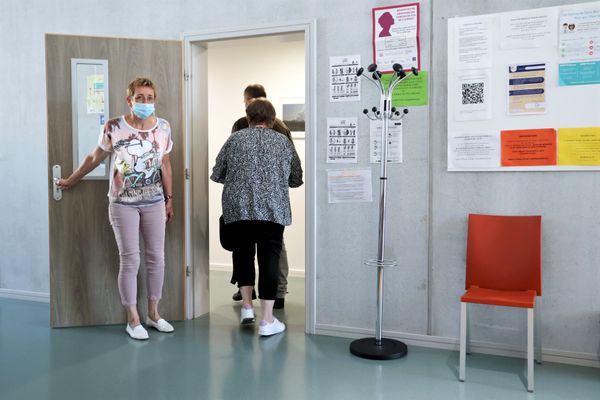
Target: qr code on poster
472, 93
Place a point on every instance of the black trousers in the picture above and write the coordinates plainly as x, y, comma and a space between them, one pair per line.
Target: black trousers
263, 238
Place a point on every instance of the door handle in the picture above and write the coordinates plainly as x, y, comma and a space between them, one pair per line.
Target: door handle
56, 191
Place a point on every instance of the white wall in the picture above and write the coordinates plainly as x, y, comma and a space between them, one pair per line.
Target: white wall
277, 63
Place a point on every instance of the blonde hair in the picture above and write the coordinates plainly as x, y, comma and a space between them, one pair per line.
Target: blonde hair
140, 82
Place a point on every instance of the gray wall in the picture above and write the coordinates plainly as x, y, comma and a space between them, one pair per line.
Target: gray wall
427, 205
567, 201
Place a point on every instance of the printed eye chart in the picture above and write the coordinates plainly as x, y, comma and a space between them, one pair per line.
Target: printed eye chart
394, 141
342, 140
344, 85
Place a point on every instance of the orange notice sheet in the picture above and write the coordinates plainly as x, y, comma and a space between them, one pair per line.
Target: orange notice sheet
528, 147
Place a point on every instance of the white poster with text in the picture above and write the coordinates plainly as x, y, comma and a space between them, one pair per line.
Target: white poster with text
349, 186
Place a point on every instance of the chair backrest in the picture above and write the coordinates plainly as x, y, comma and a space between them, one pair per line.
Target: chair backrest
504, 252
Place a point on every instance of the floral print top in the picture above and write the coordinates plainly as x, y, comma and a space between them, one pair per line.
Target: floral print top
135, 172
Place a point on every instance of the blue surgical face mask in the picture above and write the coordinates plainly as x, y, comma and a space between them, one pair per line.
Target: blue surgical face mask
143, 110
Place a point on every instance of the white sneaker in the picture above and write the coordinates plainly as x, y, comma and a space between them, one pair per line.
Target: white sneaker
160, 325
137, 332
246, 316
269, 329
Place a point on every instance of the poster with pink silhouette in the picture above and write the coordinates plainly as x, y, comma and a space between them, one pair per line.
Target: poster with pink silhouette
396, 37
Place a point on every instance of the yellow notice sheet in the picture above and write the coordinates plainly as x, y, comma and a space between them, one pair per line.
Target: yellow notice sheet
579, 146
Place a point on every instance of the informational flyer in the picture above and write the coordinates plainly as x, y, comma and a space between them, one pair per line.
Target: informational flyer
396, 37
579, 34
349, 186
528, 147
579, 46
579, 146
528, 29
410, 92
473, 43
344, 85
473, 95
342, 140
95, 94
526, 89
579, 73
473, 150
394, 143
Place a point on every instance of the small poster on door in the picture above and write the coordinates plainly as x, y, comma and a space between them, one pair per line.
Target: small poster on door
95, 94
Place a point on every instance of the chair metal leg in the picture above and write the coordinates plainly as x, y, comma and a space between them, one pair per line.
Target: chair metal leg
537, 330
468, 347
530, 321
463, 340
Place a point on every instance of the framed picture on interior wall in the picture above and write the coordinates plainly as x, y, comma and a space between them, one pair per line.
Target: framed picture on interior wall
293, 116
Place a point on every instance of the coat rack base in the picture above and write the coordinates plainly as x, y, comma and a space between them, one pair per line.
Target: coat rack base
389, 349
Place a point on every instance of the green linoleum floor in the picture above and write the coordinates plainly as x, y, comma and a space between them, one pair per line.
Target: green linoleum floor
214, 358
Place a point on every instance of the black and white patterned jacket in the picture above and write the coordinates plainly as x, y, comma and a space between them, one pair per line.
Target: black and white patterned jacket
257, 167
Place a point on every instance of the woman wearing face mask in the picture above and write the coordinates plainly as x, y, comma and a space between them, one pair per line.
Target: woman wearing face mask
139, 195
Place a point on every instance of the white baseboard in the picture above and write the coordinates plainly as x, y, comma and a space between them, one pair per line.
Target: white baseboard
221, 267
25, 295
446, 343
294, 273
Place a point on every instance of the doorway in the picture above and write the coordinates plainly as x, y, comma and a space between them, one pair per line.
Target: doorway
219, 65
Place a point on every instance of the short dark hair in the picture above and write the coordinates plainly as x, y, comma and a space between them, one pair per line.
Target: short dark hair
260, 111
255, 91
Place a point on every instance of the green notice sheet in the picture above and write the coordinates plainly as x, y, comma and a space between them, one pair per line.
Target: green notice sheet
410, 92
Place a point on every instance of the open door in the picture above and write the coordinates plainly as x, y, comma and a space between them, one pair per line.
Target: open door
84, 260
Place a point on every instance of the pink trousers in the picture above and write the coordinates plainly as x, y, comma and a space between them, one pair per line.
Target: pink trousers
127, 223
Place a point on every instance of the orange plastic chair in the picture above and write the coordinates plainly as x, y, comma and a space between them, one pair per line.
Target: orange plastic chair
504, 268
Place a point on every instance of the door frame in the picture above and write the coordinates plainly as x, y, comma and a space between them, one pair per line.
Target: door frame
190, 41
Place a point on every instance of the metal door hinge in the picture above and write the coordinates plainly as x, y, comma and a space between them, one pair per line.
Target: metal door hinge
187, 174
186, 76
188, 271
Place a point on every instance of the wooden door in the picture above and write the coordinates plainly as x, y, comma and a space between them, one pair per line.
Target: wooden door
84, 260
